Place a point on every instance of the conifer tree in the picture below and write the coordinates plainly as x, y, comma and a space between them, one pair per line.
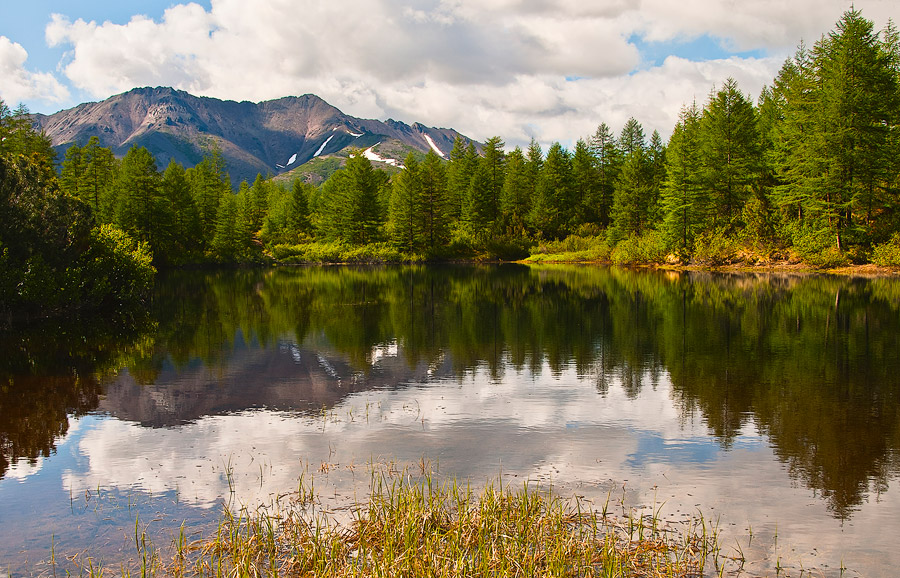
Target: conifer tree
586, 181
553, 207
186, 246
684, 201
729, 146
460, 169
483, 209
209, 183
225, 243
435, 226
634, 195
141, 211
297, 220
517, 194
406, 207
607, 159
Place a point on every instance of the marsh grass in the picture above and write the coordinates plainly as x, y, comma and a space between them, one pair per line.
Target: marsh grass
417, 527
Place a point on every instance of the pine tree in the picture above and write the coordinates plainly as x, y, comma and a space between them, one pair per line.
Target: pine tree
297, 219
209, 183
460, 169
553, 207
684, 201
436, 225
483, 210
97, 179
608, 161
141, 211
634, 194
517, 194
406, 207
185, 223
71, 176
729, 145
586, 188
225, 243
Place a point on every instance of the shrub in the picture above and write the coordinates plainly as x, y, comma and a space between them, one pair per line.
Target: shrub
572, 249
715, 248
887, 254
816, 247
647, 248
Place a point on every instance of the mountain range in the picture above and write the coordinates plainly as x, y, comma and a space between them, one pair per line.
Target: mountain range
270, 138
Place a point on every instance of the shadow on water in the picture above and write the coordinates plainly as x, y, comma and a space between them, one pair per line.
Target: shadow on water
810, 361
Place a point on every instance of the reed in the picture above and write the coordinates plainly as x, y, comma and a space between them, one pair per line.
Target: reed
419, 527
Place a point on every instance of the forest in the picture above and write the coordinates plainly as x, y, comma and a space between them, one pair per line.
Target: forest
808, 173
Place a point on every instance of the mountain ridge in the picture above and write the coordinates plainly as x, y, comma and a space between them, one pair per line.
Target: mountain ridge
270, 137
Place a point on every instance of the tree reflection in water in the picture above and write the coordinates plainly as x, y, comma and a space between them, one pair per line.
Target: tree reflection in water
810, 361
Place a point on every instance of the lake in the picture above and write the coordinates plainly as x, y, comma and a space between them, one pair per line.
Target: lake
767, 403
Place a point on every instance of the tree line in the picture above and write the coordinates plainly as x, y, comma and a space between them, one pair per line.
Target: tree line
811, 169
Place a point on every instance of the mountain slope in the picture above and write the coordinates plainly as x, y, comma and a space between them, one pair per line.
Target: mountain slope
270, 137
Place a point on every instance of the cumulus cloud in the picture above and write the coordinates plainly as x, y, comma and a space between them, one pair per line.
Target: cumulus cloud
18, 84
550, 69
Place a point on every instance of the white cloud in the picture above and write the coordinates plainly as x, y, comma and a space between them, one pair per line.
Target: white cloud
517, 68
19, 84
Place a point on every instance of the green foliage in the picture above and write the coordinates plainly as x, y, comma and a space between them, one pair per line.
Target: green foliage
887, 254
684, 199
645, 249
117, 271
55, 261
716, 247
573, 249
817, 247
552, 209
730, 158
337, 252
406, 208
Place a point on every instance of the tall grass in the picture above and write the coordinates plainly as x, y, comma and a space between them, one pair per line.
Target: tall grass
412, 528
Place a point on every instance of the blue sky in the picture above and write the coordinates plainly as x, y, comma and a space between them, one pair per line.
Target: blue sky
551, 69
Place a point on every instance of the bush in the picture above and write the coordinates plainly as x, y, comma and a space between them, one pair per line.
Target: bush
572, 249
887, 254
647, 248
116, 273
816, 247
337, 252
715, 248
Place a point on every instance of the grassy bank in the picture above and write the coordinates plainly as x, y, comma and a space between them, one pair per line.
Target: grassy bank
420, 528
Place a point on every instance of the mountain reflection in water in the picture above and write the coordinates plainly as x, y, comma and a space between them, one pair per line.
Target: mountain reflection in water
682, 370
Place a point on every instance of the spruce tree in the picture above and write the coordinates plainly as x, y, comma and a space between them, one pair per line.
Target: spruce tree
729, 146
435, 214
586, 187
684, 201
608, 162
553, 207
406, 207
517, 194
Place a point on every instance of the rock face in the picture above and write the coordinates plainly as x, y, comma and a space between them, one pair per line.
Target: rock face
270, 137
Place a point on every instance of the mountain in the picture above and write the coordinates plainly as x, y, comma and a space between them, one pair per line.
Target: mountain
271, 137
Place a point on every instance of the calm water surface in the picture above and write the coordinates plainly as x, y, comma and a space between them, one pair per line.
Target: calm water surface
767, 403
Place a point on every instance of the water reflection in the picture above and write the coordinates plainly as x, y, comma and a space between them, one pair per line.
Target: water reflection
808, 364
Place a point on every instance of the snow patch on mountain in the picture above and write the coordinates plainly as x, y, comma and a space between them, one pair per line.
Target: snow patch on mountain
291, 161
433, 146
373, 156
321, 148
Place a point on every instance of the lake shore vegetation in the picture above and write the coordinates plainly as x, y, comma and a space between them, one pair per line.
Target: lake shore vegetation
808, 175
419, 527
56, 258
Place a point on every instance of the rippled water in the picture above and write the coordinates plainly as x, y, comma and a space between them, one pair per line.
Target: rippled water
767, 403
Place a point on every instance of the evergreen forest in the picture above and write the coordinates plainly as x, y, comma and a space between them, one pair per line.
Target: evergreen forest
810, 173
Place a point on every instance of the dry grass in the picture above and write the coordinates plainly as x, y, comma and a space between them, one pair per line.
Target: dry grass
419, 528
